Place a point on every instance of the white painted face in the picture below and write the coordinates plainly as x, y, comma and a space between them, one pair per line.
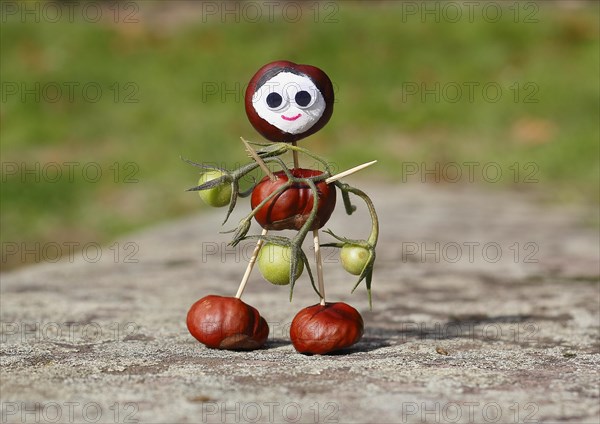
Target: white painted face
290, 102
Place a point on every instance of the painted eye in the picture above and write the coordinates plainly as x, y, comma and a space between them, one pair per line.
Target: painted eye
274, 101
303, 98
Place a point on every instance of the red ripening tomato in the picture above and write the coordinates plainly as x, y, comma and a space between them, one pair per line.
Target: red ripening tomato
322, 329
290, 209
227, 323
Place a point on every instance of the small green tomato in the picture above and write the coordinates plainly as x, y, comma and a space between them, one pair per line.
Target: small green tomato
217, 196
274, 263
354, 258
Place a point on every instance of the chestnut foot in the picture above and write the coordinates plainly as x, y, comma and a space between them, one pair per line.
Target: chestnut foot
227, 323
322, 329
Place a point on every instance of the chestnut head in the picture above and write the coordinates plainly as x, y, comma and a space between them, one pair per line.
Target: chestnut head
286, 102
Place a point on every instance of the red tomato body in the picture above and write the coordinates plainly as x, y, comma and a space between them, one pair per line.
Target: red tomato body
227, 323
322, 329
290, 209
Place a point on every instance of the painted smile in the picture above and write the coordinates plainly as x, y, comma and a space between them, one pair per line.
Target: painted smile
293, 118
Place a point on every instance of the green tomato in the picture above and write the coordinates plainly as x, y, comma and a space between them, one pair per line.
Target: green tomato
217, 196
274, 263
354, 258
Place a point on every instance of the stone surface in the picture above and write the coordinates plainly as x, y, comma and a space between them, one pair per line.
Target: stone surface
485, 309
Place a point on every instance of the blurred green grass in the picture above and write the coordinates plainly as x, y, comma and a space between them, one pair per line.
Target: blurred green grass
372, 52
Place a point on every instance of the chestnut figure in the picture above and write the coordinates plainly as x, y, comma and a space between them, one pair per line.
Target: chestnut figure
227, 323
291, 209
286, 102
321, 329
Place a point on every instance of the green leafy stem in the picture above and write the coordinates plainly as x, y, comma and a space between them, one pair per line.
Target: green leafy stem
270, 153
369, 244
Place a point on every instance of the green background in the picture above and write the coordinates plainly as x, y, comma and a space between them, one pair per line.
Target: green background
171, 79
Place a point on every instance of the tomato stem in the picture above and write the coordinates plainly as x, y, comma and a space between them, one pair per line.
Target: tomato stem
269, 153
373, 237
244, 224
297, 241
277, 149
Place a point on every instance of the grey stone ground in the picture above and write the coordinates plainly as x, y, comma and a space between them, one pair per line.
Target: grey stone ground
107, 341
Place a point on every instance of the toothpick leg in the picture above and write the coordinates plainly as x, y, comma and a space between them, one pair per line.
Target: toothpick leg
246, 276
319, 261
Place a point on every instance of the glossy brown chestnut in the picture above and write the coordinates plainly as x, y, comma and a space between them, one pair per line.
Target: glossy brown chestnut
268, 71
322, 329
227, 323
290, 209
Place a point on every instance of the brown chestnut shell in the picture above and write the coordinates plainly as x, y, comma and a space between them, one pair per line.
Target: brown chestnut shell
321, 329
227, 323
268, 71
290, 209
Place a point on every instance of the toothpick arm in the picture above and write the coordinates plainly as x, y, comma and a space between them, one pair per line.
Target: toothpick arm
258, 159
349, 172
